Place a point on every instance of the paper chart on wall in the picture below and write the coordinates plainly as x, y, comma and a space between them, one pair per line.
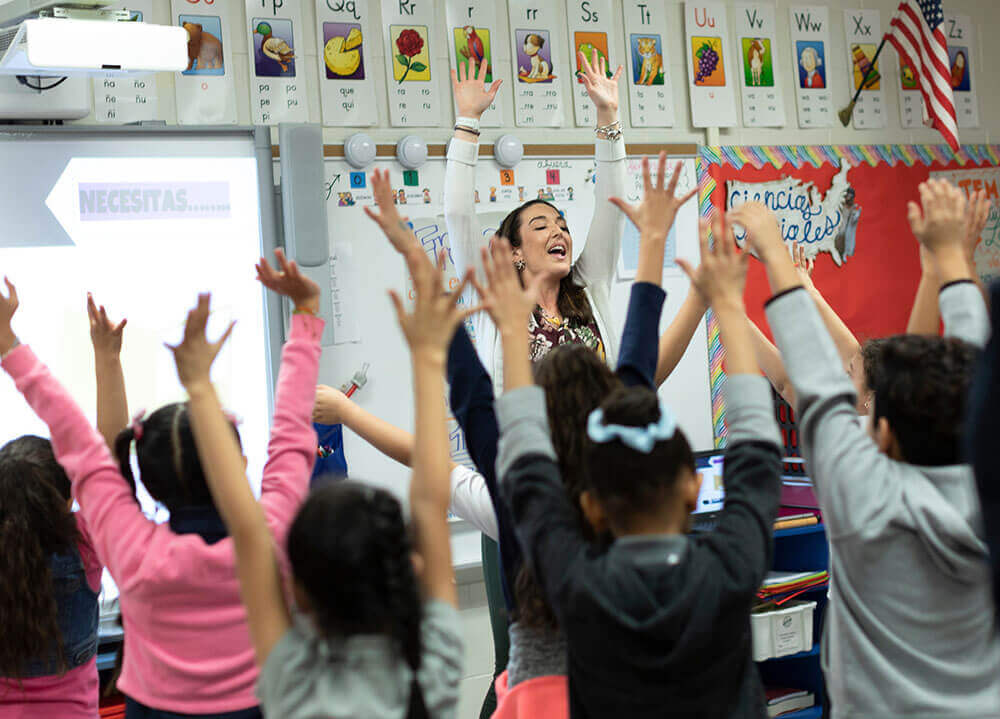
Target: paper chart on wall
343, 294
810, 31
650, 94
710, 65
278, 90
118, 100
411, 73
863, 31
473, 35
987, 252
538, 51
346, 50
206, 90
588, 22
961, 38
912, 112
757, 46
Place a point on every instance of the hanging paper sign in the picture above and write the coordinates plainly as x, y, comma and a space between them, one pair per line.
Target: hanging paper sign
756, 45
414, 98
537, 48
710, 67
863, 29
472, 36
987, 252
205, 91
588, 20
277, 82
346, 83
810, 28
961, 50
651, 98
118, 100
911, 103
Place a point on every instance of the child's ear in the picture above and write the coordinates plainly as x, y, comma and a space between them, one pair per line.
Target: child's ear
886, 440
690, 488
593, 511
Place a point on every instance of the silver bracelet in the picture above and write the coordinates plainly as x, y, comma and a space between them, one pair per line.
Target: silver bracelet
17, 343
610, 132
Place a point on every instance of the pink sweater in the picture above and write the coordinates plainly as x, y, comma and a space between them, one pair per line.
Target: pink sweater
538, 698
187, 645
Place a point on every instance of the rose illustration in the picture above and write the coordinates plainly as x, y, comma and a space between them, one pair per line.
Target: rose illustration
409, 43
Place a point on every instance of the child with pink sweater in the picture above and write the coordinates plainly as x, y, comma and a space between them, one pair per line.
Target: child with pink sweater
188, 648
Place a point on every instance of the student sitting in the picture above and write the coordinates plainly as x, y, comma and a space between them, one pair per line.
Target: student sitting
910, 629
50, 579
373, 640
660, 621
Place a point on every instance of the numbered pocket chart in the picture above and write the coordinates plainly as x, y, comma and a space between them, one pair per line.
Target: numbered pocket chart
756, 47
118, 100
206, 90
810, 33
346, 53
567, 182
411, 74
863, 29
542, 67
589, 21
647, 72
474, 37
278, 90
711, 68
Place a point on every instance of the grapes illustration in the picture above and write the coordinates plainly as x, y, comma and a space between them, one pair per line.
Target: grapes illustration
708, 60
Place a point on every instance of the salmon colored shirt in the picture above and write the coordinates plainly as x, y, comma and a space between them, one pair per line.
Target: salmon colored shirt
538, 698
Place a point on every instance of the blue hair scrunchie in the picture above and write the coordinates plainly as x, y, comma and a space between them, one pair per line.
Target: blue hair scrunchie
641, 439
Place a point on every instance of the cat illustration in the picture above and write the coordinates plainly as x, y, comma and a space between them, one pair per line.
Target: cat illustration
651, 60
204, 48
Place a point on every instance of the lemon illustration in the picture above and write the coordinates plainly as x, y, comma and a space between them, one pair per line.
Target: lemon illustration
342, 55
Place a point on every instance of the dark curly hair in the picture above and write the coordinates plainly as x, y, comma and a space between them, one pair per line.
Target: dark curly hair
35, 522
572, 301
870, 353
921, 384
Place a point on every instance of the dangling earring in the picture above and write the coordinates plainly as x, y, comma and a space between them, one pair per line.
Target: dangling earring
519, 265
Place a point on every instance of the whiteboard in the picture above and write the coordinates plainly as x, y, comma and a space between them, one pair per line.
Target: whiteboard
366, 267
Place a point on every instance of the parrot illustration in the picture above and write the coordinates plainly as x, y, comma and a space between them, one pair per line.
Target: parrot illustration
473, 49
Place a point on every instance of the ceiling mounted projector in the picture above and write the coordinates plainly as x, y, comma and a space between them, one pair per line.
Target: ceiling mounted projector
84, 38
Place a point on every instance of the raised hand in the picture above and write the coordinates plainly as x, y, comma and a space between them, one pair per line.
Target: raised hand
290, 282
105, 335
603, 90
392, 224
655, 215
329, 405
722, 274
803, 266
939, 221
976, 214
195, 354
472, 97
763, 232
509, 304
8, 306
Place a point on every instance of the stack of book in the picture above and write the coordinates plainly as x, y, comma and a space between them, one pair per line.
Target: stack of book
782, 701
779, 587
802, 519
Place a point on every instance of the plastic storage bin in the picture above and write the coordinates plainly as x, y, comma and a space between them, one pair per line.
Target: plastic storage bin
780, 631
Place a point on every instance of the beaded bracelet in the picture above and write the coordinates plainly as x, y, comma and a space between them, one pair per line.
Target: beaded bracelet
610, 132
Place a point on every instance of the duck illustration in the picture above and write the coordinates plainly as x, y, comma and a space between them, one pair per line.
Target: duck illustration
274, 47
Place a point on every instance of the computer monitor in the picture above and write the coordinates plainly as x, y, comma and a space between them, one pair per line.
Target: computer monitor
712, 494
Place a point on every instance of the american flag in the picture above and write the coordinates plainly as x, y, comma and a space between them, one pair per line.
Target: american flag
918, 38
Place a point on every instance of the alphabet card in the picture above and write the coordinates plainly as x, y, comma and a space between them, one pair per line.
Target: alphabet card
863, 29
206, 91
473, 36
537, 49
756, 45
119, 99
710, 72
650, 94
912, 112
961, 50
346, 82
414, 96
277, 83
810, 30
588, 22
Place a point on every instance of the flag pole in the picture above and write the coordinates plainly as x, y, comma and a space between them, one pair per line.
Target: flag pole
845, 114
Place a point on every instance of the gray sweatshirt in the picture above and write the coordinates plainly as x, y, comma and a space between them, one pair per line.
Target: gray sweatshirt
910, 629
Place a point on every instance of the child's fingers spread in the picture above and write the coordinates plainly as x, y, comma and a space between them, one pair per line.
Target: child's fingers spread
661, 169
618, 74
647, 184
686, 268
398, 306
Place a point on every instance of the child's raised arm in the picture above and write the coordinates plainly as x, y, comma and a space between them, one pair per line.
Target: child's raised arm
112, 403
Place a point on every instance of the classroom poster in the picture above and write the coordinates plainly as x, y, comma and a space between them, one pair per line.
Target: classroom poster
961, 38
206, 91
472, 27
118, 100
346, 83
810, 32
588, 23
650, 94
411, 77
756, 47
863, 31
538, 51
278, 90
912, 112
710, 65
987, 254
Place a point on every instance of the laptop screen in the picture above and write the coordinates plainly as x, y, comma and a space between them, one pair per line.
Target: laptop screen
712, 494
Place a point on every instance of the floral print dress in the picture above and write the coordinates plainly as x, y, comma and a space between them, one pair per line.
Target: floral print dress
548, 332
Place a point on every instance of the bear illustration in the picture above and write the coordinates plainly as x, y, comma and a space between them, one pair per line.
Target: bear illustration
204, 48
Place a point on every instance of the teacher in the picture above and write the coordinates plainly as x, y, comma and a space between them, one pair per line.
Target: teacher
574, 303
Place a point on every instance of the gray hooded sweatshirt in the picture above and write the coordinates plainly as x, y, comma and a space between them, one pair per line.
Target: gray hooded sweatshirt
910, 629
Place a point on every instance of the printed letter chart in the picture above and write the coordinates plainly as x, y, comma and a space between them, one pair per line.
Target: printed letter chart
346, 83
414, 97
863, 29
538, 52
127, 99
206, 92
277, 86
911, 103
651, 99
588, 21
710, 65
961, 52
756, 46
810, 30
473, 37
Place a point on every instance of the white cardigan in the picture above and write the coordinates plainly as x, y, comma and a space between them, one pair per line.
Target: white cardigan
595, 268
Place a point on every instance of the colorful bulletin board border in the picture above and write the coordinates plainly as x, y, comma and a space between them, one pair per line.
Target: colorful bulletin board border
779, 157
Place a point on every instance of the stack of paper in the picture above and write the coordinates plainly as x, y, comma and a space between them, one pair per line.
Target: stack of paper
781, 586
782, 701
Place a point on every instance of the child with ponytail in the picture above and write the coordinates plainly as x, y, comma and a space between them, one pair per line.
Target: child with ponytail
188, 650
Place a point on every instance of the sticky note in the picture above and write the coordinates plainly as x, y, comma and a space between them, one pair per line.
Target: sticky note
411, 178
552, 177
507, 178
358, 179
